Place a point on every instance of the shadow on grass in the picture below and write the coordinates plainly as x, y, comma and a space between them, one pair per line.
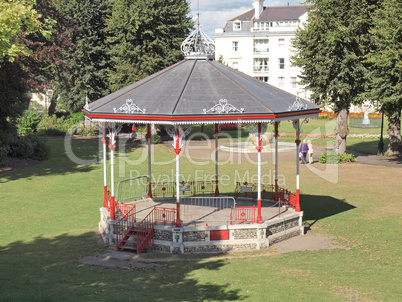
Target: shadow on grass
80, 156
316, 207
49, 269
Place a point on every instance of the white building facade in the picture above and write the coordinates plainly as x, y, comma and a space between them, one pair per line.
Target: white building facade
259, 43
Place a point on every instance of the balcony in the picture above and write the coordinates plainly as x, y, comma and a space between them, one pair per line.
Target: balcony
260, 69
261, 50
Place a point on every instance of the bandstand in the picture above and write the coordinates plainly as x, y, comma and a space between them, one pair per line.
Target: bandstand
198, 90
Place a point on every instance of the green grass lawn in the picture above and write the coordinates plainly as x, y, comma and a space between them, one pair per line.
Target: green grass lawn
49, 216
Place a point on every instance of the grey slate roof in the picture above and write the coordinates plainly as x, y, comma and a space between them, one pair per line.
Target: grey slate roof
190, 86
270, 13
276, 13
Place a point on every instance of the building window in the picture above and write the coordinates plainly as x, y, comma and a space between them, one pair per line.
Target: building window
263, 79
293, 81
281, 81
281, 63
261, 65
262, 26
235, 65
235, 46
281, 42
236, 25
261, 46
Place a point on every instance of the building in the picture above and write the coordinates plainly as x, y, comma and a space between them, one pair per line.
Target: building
259, 43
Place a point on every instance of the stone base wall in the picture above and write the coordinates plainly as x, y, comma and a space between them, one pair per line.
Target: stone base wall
215, 239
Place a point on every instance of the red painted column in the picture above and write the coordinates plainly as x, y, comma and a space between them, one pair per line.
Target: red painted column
216, 160
276, 198
177, 150
259, 148
149, 161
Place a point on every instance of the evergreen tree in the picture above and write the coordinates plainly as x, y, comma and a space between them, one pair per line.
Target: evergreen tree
88, 60
385, 74
330, 49
145, 37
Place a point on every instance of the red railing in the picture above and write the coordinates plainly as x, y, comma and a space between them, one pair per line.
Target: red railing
165, 216
125, 224
187, 188
251, 190
292, 200
145, 229
243, 215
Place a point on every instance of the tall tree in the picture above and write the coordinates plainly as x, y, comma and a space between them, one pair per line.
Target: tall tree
145, 37
385, 74
330, 49
17, 19
88, 60
45, 68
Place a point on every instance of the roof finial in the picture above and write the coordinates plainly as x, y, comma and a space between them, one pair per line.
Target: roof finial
198, 45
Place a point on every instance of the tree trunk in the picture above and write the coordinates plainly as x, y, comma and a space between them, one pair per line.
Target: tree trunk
394, 132
52, 108
342, 130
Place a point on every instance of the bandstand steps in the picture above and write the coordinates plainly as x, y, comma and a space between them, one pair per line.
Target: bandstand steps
129, 241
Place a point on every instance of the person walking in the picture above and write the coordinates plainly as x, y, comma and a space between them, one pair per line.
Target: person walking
304, 150
310, 152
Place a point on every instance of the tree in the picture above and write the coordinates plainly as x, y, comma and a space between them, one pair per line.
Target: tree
385, 74
13, 97
87, 57
45, 68
17, 19
145, 37
330, 49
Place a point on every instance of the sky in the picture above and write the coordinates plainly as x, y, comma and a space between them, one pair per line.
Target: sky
215, 13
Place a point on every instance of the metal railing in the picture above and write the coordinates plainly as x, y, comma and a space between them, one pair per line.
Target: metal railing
196, 209
126, 222
251, 190
243, 215
187, 188
145, 229
132, 189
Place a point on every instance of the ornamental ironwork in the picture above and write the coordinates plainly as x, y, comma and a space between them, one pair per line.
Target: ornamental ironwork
198, 43
297, 105
182, 134
129, 107
223, 107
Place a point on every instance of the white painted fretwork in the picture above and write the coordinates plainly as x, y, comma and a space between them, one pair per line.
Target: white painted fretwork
129, 107
223, 107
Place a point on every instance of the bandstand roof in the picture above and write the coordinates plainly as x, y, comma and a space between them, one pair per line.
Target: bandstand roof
199, 90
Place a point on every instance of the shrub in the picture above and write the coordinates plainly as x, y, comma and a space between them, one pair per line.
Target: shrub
157, 139
334, 157
29, 121
29, 147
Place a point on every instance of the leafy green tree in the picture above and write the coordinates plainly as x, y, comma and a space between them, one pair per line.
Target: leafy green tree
17, 19
145, 37
87, 59
385, 74
14, 98
330, 49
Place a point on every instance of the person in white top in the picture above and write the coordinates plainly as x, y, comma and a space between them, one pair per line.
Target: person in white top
310, 152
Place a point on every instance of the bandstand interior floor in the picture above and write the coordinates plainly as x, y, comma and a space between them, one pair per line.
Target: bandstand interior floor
202, 216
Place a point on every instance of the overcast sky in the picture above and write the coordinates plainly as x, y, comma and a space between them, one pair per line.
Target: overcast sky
215, 13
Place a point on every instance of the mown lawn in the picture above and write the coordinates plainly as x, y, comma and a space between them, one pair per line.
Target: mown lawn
49, 215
